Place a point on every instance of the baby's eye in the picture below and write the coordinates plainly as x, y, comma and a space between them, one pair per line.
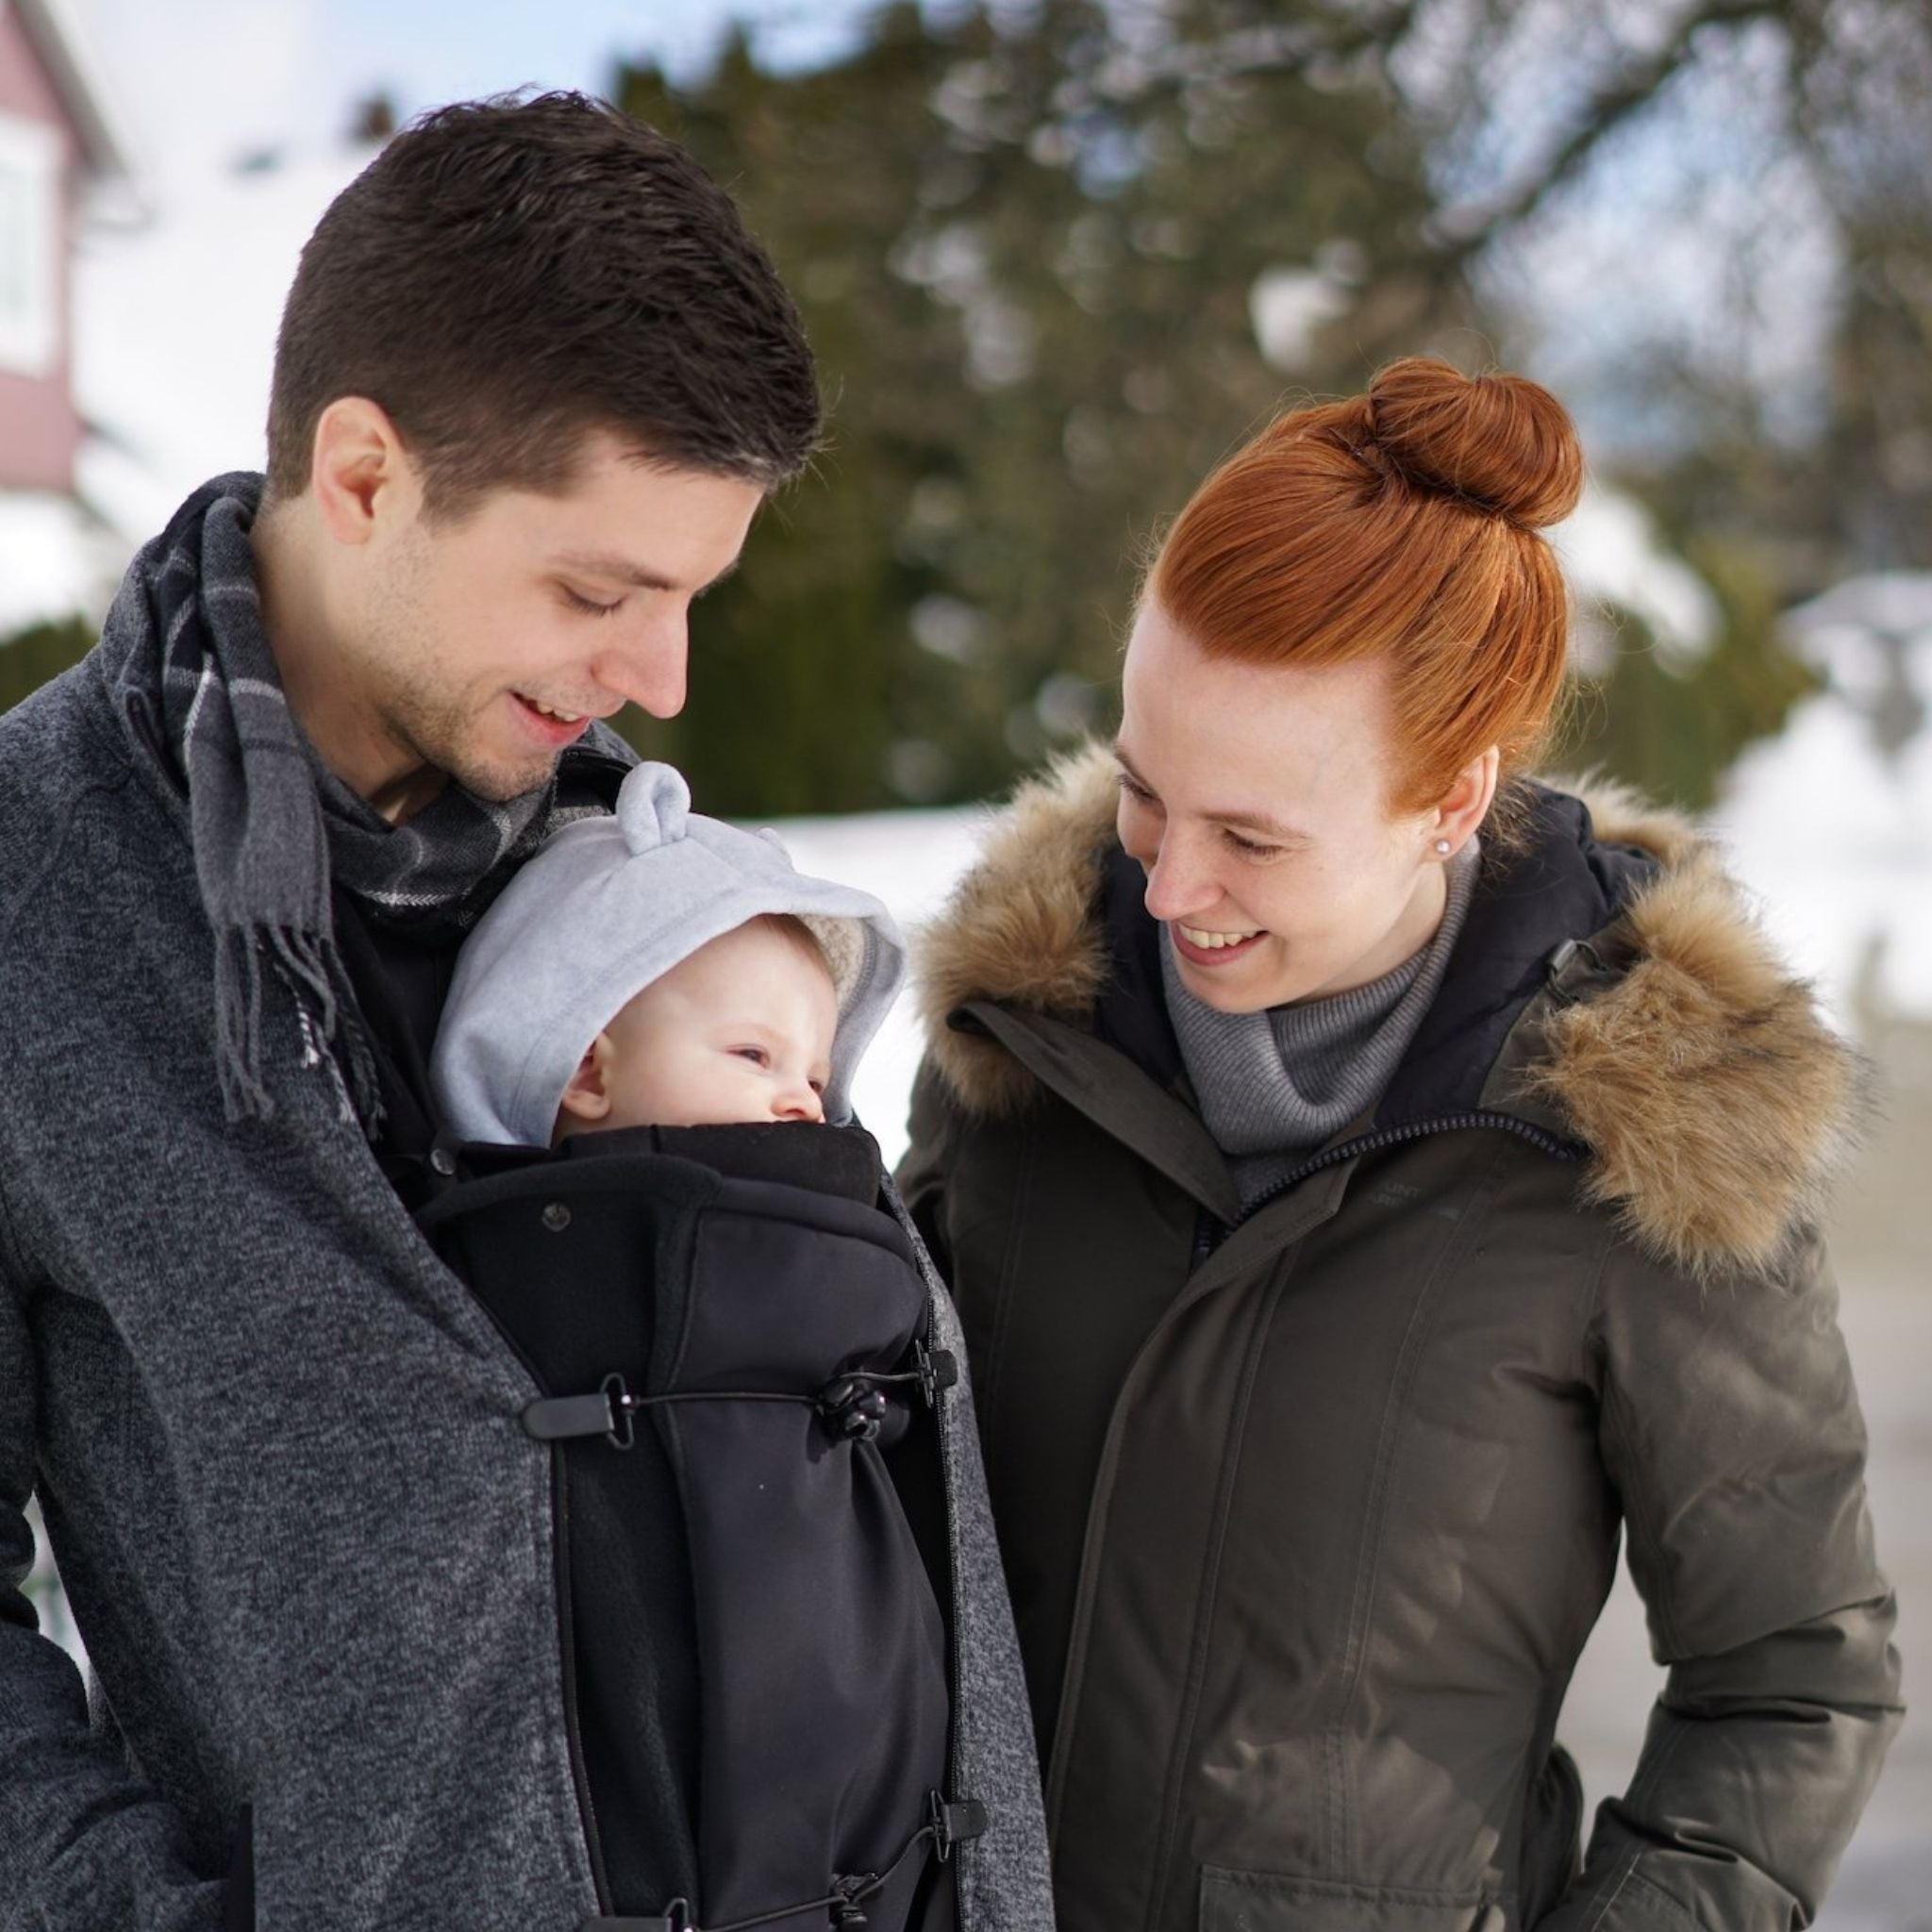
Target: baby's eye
818, 1086
755, 1055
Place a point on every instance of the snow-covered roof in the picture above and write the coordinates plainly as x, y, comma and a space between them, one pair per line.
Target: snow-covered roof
83, 86
174, 391
184, 396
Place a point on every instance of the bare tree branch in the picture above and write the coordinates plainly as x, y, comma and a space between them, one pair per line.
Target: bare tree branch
1633, 88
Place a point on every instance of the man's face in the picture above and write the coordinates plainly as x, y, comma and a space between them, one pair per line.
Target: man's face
481, 646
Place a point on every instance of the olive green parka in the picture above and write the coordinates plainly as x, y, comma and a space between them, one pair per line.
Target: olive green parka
1307, 1512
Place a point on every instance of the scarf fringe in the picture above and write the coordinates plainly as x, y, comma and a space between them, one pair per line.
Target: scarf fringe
238, 1027
331, 1033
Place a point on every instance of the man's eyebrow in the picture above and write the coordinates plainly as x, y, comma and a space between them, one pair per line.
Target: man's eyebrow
1276, 828
621, 570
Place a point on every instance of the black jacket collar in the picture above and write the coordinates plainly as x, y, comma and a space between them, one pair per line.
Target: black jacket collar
1558, 884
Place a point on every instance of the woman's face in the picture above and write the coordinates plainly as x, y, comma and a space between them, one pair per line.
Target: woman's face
1254, 798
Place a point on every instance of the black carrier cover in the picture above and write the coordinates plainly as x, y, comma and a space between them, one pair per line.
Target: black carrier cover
758, 1655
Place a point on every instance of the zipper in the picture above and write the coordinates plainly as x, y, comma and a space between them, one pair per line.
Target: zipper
559, 1549
1377, 1142
943, 1428
1209, 1234
573, 1731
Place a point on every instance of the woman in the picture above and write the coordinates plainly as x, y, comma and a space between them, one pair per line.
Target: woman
1369, 1179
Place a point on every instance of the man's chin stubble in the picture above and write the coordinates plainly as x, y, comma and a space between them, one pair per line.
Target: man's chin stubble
439, 745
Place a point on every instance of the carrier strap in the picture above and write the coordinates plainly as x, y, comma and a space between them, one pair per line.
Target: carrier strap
947, 1824
853, 1403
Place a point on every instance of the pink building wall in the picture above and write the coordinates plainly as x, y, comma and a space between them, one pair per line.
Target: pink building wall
40, 430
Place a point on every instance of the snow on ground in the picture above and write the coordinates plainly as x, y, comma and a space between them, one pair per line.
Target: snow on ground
1830, 823
1837, 843
1833, 840
911, 860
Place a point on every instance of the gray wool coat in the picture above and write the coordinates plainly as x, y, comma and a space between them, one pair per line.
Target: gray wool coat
274, 1443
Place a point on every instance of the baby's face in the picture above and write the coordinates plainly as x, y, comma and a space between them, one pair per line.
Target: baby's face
741, 1030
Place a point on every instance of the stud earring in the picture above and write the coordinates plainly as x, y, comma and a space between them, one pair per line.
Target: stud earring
1443, 848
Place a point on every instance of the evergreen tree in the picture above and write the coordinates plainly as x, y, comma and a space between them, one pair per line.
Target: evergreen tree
1671, 727
1057, 258
1027, 251
31, 657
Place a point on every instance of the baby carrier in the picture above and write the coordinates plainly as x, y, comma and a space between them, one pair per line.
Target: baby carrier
730, 1338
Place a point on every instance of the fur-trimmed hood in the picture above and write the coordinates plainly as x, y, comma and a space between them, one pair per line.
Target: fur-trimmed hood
1717, 1104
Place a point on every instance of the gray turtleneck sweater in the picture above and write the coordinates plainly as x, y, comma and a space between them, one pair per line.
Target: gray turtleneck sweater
1273, 1086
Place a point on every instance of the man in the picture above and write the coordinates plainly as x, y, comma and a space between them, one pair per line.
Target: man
533, 381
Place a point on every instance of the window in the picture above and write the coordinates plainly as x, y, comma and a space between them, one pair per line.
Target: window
29, 236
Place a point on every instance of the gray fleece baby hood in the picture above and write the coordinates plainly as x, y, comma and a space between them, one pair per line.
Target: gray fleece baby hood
605, 908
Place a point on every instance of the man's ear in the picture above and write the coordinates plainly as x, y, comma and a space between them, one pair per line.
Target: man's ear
360, 471
587, 1094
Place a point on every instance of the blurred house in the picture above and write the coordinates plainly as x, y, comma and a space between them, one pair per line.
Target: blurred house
60, 151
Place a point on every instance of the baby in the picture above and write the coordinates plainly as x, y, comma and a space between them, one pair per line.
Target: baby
657, 968
738, 1308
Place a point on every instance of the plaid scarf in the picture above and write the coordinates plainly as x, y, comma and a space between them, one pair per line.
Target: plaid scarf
194, 684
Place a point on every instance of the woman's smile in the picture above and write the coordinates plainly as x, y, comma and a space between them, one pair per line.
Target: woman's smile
1205, 946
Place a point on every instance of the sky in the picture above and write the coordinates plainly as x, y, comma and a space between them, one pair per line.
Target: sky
202, 82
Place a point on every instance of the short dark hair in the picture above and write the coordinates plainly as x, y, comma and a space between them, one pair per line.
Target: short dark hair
510, 274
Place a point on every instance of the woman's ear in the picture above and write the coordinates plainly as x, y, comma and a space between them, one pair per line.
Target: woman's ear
587, 1094
1466, 804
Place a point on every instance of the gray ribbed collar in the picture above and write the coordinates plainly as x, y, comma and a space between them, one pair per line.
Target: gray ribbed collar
1275, 1084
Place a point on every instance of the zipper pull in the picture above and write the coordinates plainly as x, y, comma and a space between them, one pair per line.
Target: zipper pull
1208, 1235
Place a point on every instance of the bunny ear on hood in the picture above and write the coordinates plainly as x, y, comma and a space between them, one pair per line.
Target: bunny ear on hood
605, 908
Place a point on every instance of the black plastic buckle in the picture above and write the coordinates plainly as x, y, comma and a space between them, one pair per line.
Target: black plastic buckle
938, 1369
675, 1917
1556, 967
954, 1824
848, 1914
854, 1408
570, 1418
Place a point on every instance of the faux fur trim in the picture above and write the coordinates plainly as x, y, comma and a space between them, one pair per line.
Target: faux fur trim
1718, 1104
1020, 925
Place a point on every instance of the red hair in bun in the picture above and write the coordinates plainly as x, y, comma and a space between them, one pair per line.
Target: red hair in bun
1400, 524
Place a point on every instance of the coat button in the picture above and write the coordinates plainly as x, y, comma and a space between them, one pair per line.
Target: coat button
557, 1217
442, 1161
